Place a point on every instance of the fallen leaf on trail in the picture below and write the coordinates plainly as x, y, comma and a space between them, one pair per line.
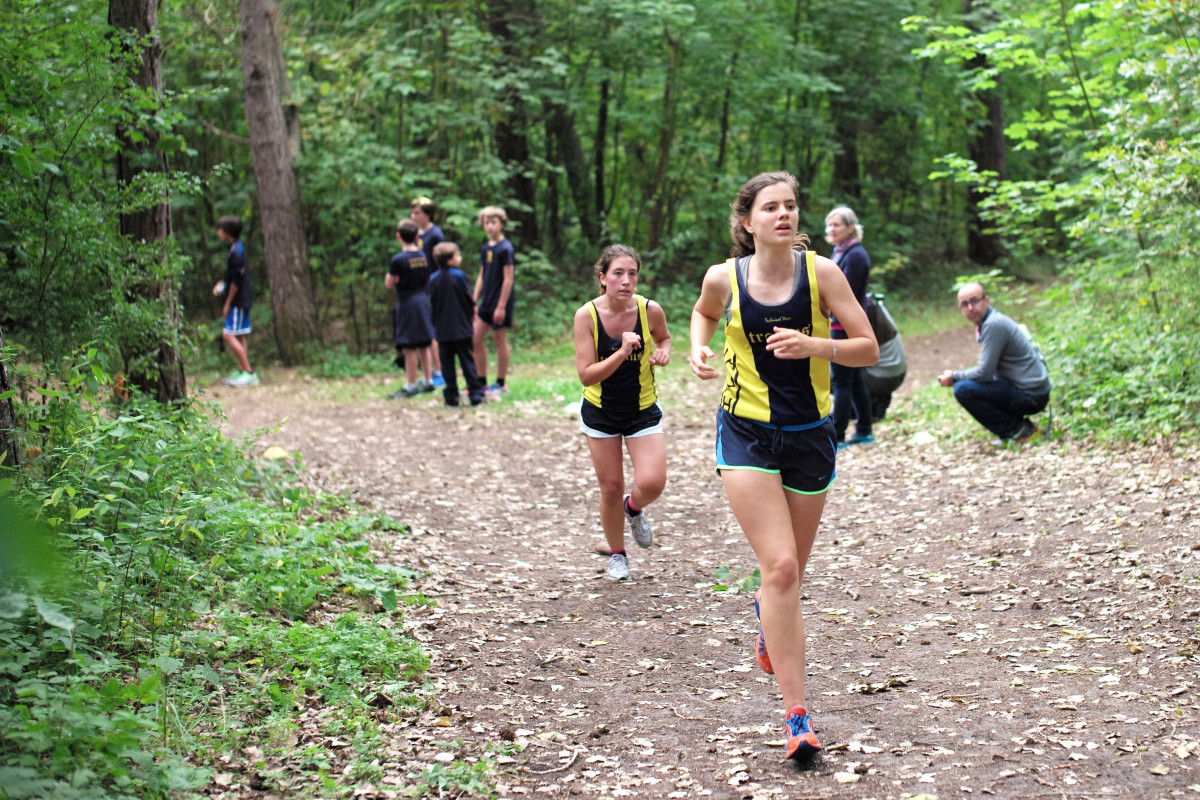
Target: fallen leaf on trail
846, 777
1160, 769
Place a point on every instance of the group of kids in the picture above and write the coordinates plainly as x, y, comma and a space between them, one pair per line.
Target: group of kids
436, 312
775, 445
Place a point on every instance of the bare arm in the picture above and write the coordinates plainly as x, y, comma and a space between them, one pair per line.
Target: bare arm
659, 333
859, 350
505, 290
706, 315
590, 370
391, 280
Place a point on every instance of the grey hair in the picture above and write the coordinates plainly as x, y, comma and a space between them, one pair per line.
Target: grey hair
848, 217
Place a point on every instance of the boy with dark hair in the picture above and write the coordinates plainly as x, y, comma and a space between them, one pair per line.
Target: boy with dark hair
412, 324
235, 287
494, 297
453, 309
429, 235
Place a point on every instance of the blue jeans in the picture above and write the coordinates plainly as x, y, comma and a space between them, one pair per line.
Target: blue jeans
998, 405
851, 400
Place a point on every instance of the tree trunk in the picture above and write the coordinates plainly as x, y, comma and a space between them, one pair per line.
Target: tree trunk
657, 191
288, 273
512, 138
139, 154
598, 157
846, 180
9, 454
986, 147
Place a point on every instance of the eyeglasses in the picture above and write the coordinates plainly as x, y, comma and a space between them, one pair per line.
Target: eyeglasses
970, 302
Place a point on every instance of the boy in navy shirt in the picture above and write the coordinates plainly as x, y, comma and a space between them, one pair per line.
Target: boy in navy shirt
494, 297
412, 326
235, 287
453, 310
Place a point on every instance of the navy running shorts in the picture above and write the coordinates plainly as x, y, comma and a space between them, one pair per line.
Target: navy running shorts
805, 457
600, 423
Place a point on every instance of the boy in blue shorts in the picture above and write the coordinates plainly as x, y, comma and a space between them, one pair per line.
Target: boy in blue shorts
453, 309
235, 287
494, 298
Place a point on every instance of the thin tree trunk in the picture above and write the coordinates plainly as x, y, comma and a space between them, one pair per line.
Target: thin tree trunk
9, 453
986, 147
507, 19
288, 272
657, 194
598, 154
139, 154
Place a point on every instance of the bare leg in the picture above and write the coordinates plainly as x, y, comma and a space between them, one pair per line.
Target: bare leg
610, 470
649, 456
237, 346
480, 342
410, 365
500, 339
780, 526
426, 362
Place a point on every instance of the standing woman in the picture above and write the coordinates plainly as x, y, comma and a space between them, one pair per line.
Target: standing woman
775, 446
619, 338
851, 398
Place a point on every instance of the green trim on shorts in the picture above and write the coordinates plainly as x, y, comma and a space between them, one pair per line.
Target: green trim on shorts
819, 491
777, 472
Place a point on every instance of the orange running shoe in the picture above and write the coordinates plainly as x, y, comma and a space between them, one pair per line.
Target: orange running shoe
801, 743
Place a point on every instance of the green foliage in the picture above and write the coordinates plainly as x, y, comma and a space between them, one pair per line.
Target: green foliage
456, 779
729, 580
181, 561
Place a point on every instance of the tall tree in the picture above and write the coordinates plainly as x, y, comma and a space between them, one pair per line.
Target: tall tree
985, 146
148, 225
265, 83
9, 457
509, 21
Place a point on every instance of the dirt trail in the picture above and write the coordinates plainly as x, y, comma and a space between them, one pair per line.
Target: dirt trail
981, 621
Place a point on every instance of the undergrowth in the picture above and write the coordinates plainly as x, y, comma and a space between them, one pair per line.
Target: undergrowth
185, 599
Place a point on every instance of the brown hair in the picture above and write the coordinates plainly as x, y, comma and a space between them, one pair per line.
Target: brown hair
494, 212
426, 205
611, 254
408, 230
443, 252
739, 209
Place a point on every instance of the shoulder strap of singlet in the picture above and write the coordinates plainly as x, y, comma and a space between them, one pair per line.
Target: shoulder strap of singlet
591, 307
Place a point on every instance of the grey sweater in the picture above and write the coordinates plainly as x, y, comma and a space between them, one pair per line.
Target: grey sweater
1007, 354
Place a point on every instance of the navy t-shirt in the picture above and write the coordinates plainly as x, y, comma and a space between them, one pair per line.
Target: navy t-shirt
411, 270
429, 240
493, 258
237, 275
452, 303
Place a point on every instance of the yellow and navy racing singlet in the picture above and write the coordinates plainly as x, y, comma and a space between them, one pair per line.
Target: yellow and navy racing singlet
631, 387
759, 386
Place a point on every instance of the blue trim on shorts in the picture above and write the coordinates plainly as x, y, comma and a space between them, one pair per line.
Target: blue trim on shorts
237, 321
771, 463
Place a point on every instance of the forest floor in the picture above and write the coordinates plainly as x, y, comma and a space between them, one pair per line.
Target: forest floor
1016, 622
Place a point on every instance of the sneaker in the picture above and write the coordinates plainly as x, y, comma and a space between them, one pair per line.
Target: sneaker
424, 385
760, 647
1026, 432
801, 743
438, 381
228, 379
496, 391
406, 392
638, 525
857, 439
242, 379
618, 567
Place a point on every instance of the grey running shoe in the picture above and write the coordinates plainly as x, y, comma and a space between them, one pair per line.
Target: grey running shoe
618, 567
242, 379
638, 525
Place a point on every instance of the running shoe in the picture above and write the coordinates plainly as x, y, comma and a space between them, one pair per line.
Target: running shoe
228, 379
424, 385
638, 525
760, 646
801, 742
496, 391
1026, 432
618, 567
438, 381
406, 392
857, 439
243, 379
